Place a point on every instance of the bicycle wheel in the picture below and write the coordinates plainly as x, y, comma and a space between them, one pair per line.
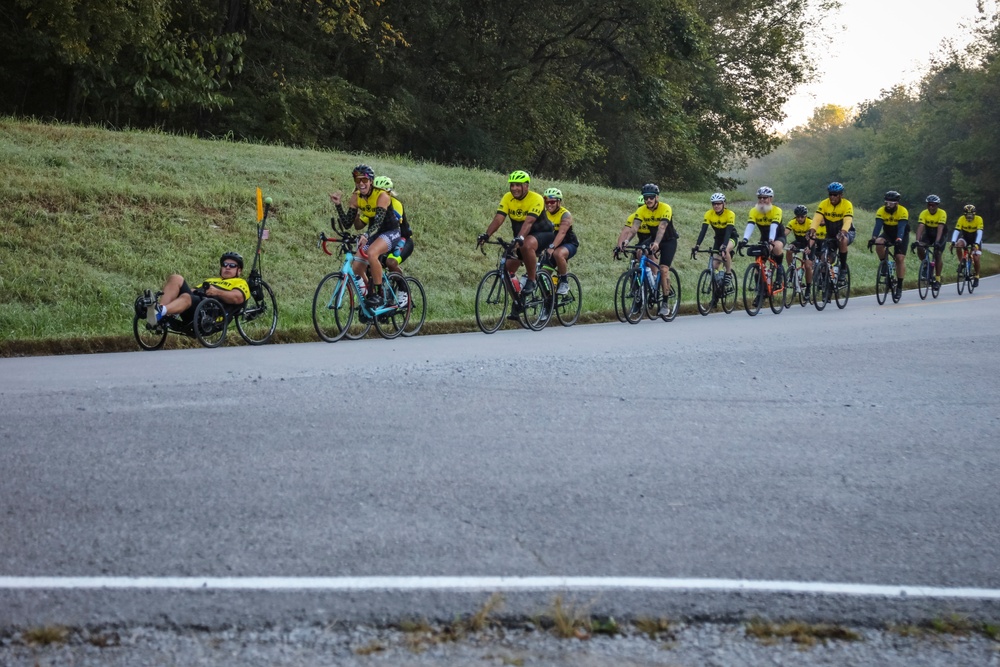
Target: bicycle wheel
730, 290
491, 302
960, 278
792, 287
821, 280
882, 280
672, 297
538, 305
568, 305
633, 297
842, 290
923, 279
653, 299
333, 306
935, 286
210, 322
148, 338
620, 292
391, 323
775, 297
751, 289
705, 295
418, 307
970, 277
259, 317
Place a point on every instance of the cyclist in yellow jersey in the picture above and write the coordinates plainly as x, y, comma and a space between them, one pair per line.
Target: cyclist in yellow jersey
722, 221
969, 234
403, 247
370, 208
836, 215
931, 226
565, 244
179, 299
766, 217
892, 228
801, 226
654, 222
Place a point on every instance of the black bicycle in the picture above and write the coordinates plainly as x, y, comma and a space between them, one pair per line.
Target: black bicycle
499, 289
256, 318
714, 287
830, 280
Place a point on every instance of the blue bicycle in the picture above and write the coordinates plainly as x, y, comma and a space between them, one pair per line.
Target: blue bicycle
339, 308
638, 290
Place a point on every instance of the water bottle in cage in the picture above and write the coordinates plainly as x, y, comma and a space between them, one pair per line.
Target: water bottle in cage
515, 282
362, 289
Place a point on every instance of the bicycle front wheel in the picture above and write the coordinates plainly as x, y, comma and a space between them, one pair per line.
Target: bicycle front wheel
259, 317
491, 302
634, 297
970, 276
705, 294
923, 279
776, 294
821, 282
568, 305
391, 322
960, 279
621, 287
538, 305
882, 281
751, 289
935, 286
210, 322
672, 298
792, 287
418, 306
842, 290
333, 307
148, 338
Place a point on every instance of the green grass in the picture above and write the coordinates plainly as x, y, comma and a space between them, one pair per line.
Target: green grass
92, 217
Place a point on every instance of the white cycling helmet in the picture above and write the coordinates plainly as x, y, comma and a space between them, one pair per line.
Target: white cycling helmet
765, 192
717, 197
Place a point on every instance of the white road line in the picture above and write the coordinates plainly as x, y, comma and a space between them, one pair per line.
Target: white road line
486, 584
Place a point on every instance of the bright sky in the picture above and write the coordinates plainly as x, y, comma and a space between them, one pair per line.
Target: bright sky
883, 42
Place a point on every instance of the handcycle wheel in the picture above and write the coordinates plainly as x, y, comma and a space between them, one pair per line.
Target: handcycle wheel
333, 306
777, 300
621, 289
923, 278
568, 305
705, 294
751, 289
391, 323
842, 290
821, 281
418, 307
882, 282
258, 319
148, 338
491, 302
633, 297
673, 297
539, 304
210, 322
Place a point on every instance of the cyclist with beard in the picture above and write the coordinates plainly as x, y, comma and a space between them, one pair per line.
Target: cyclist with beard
654, 220
931, 226
969, 234
836, 216
892, 227
766, 217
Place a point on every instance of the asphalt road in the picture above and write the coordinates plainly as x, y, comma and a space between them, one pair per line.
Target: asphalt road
856, 446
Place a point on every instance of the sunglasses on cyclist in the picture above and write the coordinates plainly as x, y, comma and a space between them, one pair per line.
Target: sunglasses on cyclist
230, 265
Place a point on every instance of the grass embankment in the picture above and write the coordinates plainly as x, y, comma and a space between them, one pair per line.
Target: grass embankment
92, 217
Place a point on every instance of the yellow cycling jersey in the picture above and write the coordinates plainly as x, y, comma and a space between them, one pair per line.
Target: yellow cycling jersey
932, 221
230, 284
893, 218
367, 205
765, 220
555, 219
828, 214
649, 220
518, 210
965, 225
720, 220
800, 228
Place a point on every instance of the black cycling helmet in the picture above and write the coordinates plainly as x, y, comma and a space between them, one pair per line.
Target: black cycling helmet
892, 195
650, 189
801, 210
233, 255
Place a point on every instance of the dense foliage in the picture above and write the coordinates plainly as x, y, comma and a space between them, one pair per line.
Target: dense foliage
671, 90
941, 137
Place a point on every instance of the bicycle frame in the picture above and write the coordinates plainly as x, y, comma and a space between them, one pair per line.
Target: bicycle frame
347, 243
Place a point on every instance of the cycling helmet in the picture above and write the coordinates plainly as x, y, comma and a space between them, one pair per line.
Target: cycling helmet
892, 195
383, 183
933, 199
233, 255
800, 210
519, 177
363, 170
835, 188
970, 209
717, 198
650, 189
765, 192
553, 193
641, 201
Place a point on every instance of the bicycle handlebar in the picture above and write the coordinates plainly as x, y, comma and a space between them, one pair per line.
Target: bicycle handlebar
346, 242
